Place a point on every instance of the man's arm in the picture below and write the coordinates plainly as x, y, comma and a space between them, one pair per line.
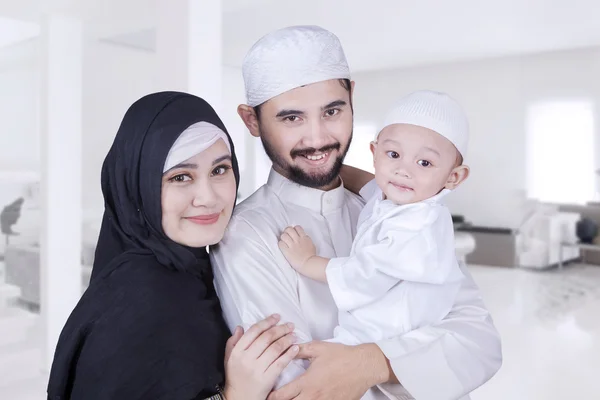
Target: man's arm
252, 284
459, 354
354, 179
444, 361
336, 372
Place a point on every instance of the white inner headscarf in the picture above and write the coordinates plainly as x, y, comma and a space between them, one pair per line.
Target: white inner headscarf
194, 140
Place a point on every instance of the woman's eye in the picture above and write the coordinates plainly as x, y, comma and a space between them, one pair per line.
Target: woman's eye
180, 178
221, 170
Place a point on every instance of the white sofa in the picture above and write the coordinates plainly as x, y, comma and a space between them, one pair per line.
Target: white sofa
464, 244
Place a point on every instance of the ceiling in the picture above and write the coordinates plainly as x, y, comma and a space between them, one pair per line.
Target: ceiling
391, 33
376, 34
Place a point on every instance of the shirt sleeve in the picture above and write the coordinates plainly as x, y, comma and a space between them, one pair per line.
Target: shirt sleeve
369, 190
416, 247
450, 359
253, 283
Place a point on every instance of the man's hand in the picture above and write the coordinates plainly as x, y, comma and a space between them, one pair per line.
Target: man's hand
336, 372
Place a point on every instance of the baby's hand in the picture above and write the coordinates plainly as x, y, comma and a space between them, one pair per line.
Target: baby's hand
297, 247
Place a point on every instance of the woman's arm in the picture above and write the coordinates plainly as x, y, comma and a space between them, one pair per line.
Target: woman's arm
157, 340
354, 179
164, 340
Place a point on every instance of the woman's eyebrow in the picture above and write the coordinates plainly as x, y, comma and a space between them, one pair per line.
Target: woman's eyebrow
184, 165
222, 158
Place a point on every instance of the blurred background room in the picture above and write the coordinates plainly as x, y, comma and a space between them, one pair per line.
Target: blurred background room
526, 221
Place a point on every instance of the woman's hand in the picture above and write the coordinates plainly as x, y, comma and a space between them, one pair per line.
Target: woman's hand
254, 360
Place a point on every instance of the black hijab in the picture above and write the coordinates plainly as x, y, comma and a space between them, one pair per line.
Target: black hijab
149, 326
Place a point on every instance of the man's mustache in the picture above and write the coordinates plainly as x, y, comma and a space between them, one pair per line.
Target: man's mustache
311, 150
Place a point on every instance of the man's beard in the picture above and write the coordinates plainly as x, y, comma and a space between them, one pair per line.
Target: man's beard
299, 176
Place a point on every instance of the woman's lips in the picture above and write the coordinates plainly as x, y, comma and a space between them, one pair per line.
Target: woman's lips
207, 219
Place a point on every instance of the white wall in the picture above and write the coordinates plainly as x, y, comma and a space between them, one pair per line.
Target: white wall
19, 134
114, 77
495, 94
117, 76
19, 82
234, 94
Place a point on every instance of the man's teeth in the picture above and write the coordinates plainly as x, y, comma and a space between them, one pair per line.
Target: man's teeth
316, 158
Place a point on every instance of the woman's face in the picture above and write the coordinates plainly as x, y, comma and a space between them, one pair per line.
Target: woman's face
198, 196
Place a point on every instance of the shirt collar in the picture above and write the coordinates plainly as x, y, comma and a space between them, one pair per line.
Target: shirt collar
438, 197
317, 200
432, 200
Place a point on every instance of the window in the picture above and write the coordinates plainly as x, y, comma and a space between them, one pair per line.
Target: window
560, 152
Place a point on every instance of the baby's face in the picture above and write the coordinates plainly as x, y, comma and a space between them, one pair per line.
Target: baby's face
413, 163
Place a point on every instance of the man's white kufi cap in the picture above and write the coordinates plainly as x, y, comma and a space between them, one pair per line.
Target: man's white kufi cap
289, 58
433, 110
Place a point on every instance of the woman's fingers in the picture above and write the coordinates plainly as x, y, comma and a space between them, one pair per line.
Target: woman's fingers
256, 330
232, 341
279, 364
275, 350
267, 339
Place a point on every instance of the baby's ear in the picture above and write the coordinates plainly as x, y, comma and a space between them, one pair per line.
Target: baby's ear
373, 146
457, 176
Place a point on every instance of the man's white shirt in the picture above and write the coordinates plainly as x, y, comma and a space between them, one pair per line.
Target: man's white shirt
253, 280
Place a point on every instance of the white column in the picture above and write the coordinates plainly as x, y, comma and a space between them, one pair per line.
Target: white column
189, 48
61, 61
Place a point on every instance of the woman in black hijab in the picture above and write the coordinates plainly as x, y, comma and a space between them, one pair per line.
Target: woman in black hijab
149, 326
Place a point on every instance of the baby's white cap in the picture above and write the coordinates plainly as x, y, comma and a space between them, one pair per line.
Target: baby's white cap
433, 110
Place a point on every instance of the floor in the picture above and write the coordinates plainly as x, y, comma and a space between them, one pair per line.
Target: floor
550, 328
549, 322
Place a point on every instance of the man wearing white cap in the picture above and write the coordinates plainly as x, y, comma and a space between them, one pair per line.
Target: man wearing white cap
299, 98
